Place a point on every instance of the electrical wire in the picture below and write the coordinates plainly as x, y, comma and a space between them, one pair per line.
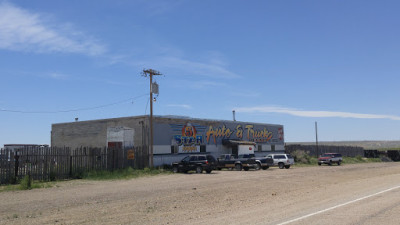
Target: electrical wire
73, 110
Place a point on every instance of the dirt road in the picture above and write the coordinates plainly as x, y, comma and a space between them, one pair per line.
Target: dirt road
347, 194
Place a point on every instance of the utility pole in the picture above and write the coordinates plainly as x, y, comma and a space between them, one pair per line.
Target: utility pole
316, 137
150, 73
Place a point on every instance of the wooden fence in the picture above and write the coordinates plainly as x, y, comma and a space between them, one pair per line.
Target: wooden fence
50, 163
350, 151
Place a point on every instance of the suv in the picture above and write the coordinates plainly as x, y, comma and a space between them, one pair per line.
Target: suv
195, 162
329, 158
282, 160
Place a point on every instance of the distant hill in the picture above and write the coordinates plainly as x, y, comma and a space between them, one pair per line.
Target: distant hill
376, 145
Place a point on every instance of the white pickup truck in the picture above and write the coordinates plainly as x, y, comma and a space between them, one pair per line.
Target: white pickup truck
282, 160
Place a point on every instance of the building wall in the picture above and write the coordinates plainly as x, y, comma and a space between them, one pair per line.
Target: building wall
195, 134
94, 133
172, 136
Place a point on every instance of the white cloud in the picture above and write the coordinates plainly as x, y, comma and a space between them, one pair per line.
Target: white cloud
21, 30
58, 76
246, 95
317, 114
202, 84
199, 68
180, 106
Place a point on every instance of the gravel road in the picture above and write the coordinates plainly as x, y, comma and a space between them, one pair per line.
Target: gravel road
273, 196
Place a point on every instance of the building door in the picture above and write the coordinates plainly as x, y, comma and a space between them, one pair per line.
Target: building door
235, 150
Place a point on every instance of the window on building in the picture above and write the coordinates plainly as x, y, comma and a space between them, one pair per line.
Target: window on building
259, 148
272, 148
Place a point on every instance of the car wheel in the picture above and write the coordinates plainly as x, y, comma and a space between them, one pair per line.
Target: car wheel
338, 163
257, 166
265, 167
238, 167
319, 164
330, 163
199, 169
208, 171
219, 168
175, 169
246, 168
287, 166
281, 166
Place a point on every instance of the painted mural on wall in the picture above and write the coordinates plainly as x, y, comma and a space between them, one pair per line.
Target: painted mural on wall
246, 132
189, 137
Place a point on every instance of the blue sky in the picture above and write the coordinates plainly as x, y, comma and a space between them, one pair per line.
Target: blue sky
281, 62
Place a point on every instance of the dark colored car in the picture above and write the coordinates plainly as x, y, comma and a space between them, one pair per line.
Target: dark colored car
236, 162
329, 158
197, 163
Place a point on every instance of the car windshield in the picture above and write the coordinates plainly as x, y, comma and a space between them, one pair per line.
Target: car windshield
186, 159
289, 156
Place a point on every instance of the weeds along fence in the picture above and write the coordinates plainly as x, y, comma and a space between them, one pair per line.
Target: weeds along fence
51, 163
350, 151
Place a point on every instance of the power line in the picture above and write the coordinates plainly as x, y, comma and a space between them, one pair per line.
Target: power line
73, 110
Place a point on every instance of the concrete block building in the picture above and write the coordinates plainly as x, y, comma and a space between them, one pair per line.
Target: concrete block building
173, 137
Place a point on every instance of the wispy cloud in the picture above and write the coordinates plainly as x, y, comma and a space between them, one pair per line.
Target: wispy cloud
57, 76
180, 106
201, 84
22, 30
316, 114
246, 95
199, 68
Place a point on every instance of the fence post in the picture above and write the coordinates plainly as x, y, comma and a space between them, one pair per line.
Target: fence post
16, 165
70, 166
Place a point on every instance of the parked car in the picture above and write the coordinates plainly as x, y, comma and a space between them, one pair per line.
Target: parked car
329, 158
282, 160
197, 163
244, 161
260, 162
264, 163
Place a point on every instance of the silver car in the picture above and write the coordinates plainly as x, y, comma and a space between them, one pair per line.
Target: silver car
282, 160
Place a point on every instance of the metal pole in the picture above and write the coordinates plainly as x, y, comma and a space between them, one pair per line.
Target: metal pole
316, 138
151, 120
